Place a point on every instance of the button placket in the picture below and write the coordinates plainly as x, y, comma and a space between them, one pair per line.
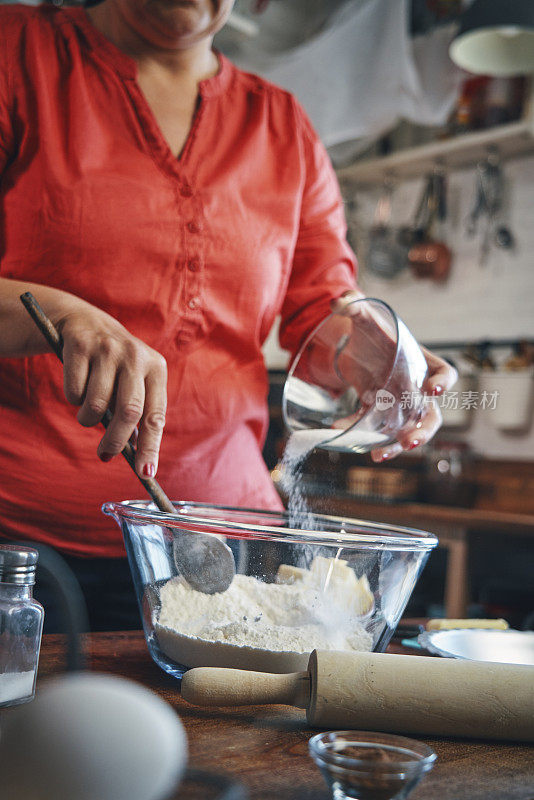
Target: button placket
194, 253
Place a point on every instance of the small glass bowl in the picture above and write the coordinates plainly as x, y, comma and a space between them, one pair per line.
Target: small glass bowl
359, 765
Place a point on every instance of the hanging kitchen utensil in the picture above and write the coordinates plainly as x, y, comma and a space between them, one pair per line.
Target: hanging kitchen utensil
489, 204
428, 256
503, 236
386, 255
492, 186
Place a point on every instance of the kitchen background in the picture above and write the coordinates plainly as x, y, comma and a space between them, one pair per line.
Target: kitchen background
376, 78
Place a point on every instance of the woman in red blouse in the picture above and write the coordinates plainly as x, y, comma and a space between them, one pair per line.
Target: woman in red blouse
163, 207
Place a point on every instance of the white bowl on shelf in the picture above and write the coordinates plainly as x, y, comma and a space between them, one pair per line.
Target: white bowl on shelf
458, 414
513, 406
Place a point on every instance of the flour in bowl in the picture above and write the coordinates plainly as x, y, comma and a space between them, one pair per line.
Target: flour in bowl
271, 626
293, 615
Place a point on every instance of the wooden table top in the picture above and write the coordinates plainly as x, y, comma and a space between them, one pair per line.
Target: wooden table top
266, 748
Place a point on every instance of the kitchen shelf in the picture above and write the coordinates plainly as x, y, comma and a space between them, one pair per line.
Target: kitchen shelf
512, 140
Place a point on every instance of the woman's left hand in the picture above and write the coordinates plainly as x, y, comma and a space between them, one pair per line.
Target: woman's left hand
441, 376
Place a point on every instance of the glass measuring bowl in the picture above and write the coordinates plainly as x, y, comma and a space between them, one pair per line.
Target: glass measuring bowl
358, 377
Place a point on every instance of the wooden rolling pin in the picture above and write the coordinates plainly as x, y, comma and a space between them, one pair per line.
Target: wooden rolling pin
382, 692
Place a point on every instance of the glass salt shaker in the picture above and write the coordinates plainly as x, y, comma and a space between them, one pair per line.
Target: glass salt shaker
21, 625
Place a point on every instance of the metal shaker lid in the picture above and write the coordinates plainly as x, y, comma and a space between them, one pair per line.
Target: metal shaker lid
17, 564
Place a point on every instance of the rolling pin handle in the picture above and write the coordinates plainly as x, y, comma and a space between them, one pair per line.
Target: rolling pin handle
215, 686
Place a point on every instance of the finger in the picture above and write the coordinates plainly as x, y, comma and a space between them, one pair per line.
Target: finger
151, 426
441, 375
75, 371
128, 410
440, 381
98, 393
386, 453
424, 430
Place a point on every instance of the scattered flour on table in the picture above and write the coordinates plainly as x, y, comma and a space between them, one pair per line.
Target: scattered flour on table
295, 616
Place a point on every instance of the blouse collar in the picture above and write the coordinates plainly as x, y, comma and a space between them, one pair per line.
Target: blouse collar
126, 66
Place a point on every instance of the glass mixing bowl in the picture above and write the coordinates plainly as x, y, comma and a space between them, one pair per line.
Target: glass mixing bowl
342, 583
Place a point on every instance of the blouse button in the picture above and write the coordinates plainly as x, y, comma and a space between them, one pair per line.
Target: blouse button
194, 303
193, 227
186, 191
193, 265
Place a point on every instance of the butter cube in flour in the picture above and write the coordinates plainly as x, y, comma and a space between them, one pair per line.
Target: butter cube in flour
365, 597
289, 574
339, 580
336, 574
334, 570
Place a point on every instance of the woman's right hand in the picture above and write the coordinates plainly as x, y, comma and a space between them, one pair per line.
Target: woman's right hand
104, 366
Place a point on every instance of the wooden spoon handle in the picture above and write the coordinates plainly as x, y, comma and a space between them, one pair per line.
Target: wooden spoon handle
53, 337
215, 686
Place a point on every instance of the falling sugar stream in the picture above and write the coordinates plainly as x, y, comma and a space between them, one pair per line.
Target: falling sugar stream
298, 448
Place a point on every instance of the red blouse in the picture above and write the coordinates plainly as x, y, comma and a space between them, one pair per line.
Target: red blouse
196, 256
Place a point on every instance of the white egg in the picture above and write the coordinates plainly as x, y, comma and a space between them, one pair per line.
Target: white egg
89, 736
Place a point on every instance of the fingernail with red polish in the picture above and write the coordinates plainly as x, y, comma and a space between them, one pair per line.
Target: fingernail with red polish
393, 451
149, 470
105, 457
437, 389
413, 444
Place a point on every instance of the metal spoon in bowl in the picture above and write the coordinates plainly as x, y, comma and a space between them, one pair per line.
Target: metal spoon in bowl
203, 560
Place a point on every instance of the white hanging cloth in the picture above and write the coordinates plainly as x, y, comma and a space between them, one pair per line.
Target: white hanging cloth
364, 72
